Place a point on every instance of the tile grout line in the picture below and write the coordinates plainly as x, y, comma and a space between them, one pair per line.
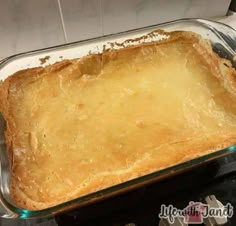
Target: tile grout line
101, 16
62, 21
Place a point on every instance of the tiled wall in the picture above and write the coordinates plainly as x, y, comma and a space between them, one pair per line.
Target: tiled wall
32, 24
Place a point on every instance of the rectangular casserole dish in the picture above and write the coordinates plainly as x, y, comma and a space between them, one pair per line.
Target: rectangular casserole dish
223, 40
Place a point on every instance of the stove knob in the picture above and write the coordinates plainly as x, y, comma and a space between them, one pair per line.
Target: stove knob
178, 221
214, 203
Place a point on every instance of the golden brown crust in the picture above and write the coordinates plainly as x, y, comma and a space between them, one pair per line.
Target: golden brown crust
27, 95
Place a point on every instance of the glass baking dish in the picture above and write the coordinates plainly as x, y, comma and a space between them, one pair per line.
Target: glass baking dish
223, 39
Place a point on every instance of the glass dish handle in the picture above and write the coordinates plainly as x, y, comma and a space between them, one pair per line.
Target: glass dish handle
227, 35
5, 208
5, 212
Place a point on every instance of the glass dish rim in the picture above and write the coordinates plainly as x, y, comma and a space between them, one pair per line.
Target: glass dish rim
24, 213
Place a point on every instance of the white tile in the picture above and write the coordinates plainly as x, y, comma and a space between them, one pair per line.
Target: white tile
119, 15
207, 8
154, 12
82, 19
229, 20
125, 15
28, 25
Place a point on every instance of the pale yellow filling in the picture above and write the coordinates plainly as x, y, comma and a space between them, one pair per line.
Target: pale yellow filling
154, 104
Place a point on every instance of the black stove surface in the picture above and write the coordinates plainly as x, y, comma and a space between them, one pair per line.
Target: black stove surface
142, 206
